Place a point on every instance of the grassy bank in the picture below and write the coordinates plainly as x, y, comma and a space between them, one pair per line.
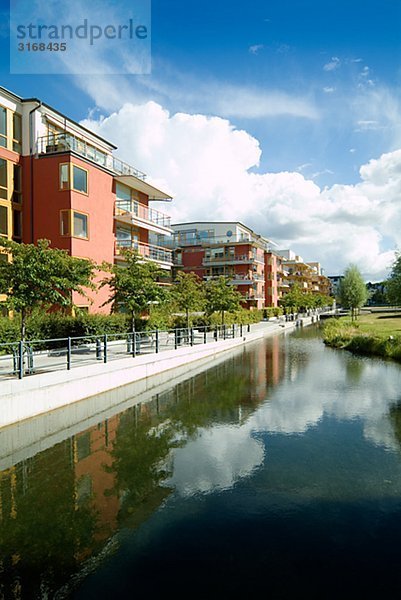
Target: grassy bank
375, 334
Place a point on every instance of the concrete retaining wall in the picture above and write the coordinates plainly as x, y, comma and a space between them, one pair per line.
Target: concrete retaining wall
39, 394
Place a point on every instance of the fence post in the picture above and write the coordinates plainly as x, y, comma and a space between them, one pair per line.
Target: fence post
249, 327
191, 333
29, 358
224, 332
215, 333
233, 330
240, 329
157, 341
98, 349
205, 335
105, 348
20, 359
68, 354
133, 341
175, 339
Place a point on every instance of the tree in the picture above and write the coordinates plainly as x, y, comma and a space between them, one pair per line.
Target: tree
393, 283
133, 284
353, 293
221, 296
294, 299
188, 292
38, 275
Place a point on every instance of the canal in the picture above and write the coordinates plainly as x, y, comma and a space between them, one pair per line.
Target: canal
276, 471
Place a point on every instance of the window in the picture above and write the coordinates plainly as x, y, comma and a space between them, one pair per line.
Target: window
3, 220
64, 177
3, 127
17, 224
65, 222
73, 177
17, 191
123, 195
74, 223
80, 225
123, 233
82, 309
80, 179
3, 179
17, 132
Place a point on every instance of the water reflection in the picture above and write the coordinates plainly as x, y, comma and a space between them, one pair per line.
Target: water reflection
243, 421
60, 507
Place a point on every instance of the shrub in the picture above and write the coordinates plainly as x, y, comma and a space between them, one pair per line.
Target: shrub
59, 325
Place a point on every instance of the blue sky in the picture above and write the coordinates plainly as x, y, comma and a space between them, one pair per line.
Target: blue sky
315, 84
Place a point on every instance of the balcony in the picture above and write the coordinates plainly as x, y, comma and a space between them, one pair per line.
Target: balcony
156, 254
228, 260
256, 297
67, 142
138, 214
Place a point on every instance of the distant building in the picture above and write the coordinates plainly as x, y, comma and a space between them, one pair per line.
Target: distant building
307, 275
231, 249
335, 281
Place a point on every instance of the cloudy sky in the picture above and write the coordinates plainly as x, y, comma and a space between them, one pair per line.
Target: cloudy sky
285, 115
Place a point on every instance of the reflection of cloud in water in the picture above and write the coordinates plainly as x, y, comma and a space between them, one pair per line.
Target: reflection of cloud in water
216, 459
323, 387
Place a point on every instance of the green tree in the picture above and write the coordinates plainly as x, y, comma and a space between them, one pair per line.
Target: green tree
221, 296
393, 284
294, 299
133, 284
353, 293
188, 293
38, 276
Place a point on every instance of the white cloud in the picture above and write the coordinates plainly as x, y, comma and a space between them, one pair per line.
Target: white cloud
301, 168
200, 96
324, 172
333, 64
329, 90
256, 48
207, 164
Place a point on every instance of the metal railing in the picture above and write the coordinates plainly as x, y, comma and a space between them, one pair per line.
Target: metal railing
20, 359
146, 251
136, 209
228, 259
62, 142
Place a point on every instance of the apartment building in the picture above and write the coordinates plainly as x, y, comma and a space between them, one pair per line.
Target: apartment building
60, 181
307, 275
275, 278
231, 249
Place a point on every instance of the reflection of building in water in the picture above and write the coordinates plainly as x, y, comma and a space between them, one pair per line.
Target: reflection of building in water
266, 369
59, 507
275, 361
94, 475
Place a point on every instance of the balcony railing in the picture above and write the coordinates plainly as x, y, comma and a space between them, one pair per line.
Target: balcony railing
253, 297
62, 142
146, 251
136, 209
244, 258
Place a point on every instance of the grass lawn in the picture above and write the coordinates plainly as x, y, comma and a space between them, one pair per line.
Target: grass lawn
386, 323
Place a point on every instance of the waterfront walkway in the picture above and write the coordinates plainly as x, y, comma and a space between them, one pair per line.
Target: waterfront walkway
48, 390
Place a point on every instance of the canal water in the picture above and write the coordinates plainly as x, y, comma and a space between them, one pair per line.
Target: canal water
276, 472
